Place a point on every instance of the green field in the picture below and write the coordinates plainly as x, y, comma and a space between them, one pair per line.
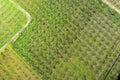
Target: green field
65, 40
69, 39
13, 67
116, 3
11, 21
116, 69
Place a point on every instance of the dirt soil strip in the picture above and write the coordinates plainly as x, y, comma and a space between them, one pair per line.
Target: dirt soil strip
13, 39
117, 57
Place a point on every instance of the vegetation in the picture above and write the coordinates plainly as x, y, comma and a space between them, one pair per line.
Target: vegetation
116, 3
11, 21
13, 67
115, 71
69, 39
66, 40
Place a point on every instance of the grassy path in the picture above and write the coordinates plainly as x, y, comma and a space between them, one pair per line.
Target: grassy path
17, 35
13, 67
110, 5
117, 57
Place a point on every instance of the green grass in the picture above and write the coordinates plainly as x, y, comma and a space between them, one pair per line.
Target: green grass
11, 21
13, 67
69, 39
116, 3
115, 71
116, 68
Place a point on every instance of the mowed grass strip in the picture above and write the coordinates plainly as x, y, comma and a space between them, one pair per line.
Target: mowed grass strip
13, 67
70, 39
115, 71
11, 21
115, 3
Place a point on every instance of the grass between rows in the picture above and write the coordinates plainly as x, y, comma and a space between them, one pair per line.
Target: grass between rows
11, 21
13, 67
69, 39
